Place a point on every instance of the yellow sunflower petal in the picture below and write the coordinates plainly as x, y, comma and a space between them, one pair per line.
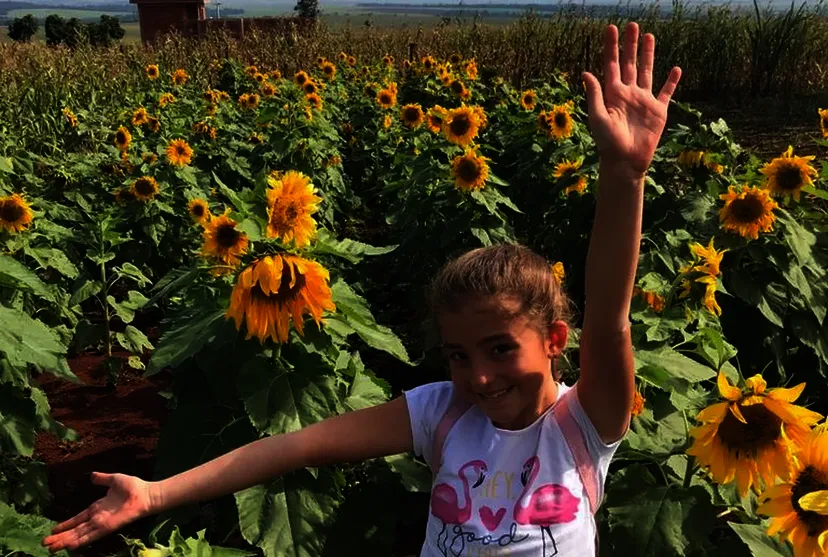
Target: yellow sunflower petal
816, 501
726, 390
787, 395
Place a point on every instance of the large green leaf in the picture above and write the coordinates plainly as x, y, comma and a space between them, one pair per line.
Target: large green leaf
348, 249
27, 341
281, 400
16, 275
23, 533
53, 258
364, 393
674, 364
760, 544
126, 309
17, 421
290, 516
186, 339
199, 547
651, 520
352, 310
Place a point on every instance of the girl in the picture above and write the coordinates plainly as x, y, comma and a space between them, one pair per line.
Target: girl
519, 460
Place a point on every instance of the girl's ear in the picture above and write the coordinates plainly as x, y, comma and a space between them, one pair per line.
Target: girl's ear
558, 337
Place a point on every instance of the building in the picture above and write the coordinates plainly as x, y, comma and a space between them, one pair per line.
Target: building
157, 17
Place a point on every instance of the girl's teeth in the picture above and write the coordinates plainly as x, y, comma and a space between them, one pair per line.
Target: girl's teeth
498, 394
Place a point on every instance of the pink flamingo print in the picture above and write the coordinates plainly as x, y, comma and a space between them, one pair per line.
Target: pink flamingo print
444, 504
549, 504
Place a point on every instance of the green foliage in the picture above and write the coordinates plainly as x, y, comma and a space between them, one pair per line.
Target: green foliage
22, 29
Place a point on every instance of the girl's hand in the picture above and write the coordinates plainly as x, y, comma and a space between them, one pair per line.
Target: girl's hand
128, 499
626, 120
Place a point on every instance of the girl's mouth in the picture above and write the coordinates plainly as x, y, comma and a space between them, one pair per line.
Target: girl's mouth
495, 395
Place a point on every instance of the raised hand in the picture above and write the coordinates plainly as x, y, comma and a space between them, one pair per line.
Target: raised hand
128, 499
626, 120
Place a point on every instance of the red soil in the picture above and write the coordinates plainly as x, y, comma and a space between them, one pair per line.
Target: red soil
118, 429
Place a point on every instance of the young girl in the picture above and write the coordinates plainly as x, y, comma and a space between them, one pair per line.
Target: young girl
519, 460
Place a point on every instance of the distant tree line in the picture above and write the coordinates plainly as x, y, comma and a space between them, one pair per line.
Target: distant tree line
70, 32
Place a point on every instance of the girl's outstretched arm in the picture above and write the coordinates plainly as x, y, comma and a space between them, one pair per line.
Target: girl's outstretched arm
626, 121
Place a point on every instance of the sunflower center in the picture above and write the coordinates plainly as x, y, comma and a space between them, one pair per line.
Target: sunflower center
11, 212
460, 125
825, 121
286, 291
411, 114
120, 137
808, 481
789, 178
528, 99
456, 87
198, 210
468, 170
561, 119
144, 187
227, 236
762, 429
385, 98
748, 209
179, 149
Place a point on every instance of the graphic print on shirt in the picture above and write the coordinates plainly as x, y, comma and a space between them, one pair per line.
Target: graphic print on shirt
535, 506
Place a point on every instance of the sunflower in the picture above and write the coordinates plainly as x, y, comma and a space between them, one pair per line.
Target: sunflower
276, 74
314, 100
291, 202
179, 153
180, 77
152, 71
251, 70
255, 138
148, 157
144, 188
560, 121
412, 115
166, 99
653, 299
249, 101
434, 118
211, 96
566, 168
471, 69
300, 78
154, 124
787, 174
223, 241
342, 56
455, 59
823, 121
329, 70
558, 272
275, 289
578, 187
638, 404
15, 213
689, 158
260, 78
470, 170
747, 212
751, 438
387, 121
798, 506
351, 61
461, 125
458, 88
388, 60
481, 116
71, 119
122, 138
711, 256
199, 210
528, 99
387, 98
268, 90
429, 63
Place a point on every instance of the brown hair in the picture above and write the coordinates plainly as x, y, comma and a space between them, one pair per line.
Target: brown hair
507, 270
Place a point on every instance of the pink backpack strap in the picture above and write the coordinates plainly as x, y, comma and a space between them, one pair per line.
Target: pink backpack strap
574, 437
455, 411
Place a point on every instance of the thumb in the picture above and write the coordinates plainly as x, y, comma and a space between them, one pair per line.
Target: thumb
595, 98
99, 478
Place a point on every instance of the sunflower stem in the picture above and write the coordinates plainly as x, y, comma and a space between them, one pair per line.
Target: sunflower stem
691, 469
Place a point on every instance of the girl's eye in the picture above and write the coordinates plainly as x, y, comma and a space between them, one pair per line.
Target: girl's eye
456, 356
501, 349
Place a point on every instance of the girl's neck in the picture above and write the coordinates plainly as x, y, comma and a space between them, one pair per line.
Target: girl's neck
546, 397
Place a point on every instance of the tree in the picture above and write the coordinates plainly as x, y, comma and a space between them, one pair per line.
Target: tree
76, 33
22, 29
55, 30
106, 31
308, 8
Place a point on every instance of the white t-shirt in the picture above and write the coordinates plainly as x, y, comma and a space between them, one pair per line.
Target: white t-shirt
501, 492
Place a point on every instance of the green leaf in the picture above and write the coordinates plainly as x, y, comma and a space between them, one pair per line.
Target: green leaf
279, 400
16, 275
364, 393
28, 341
413, 475
759, 543
196, 547
351, 250
45, 421
133, 272
52, 258
23, 533
800, 240
719, 127
133, 340
185, 340
126, 309
674, 364
771, 301
696, 207
353, 311
649, 520
288, 517
83, 292
17, 421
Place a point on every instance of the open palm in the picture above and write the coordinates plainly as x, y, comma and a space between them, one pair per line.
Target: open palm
128, 499
626, 120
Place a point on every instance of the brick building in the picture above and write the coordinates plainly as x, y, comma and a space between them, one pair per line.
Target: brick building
157, 17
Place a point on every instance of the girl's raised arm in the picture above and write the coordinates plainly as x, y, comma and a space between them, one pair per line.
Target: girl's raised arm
626, 121
373, 432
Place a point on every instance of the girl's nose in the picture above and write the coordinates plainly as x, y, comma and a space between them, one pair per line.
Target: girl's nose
481, 377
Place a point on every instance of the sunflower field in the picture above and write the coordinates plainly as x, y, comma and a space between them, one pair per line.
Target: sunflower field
281, 229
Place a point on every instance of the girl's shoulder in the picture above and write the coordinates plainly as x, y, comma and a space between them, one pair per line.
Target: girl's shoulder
426, 406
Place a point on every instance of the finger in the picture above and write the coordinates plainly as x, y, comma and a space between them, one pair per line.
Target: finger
611, 72
630, 54
595, 98
87, 535
645, 69
99, 478
79, 518
670, 86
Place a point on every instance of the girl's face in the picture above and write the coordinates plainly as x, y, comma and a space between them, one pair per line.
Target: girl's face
499, 363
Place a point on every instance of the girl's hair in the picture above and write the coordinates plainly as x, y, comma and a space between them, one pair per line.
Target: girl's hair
507, 270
